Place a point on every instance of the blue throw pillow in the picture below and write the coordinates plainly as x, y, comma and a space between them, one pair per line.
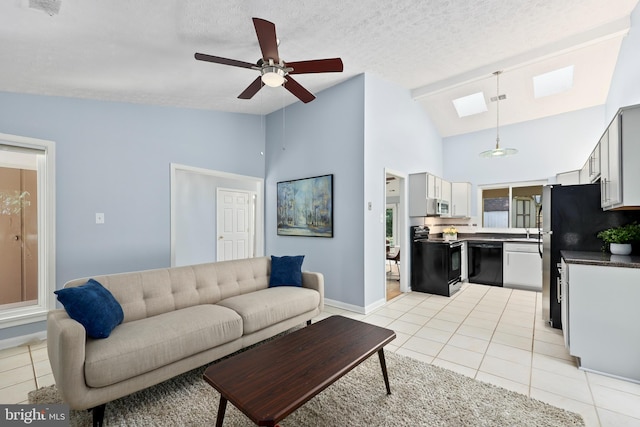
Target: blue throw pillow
93, 306
286, 271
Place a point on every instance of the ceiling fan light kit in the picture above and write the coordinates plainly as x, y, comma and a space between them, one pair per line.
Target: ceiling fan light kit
273, 76
273, 71
498, 152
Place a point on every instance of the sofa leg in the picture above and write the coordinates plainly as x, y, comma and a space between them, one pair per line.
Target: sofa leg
308, 322
98, 415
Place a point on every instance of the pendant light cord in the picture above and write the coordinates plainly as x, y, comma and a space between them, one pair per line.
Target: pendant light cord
497, 73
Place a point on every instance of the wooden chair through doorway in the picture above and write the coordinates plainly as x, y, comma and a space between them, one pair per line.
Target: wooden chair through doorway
391, 256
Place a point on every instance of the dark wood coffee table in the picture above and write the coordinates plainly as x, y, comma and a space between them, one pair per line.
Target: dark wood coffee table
270, 381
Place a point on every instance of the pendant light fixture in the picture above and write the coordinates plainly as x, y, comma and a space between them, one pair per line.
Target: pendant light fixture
498, 152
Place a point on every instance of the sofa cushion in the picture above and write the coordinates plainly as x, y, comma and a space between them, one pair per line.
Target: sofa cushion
269, 306
93, 306
286, 271
147, 344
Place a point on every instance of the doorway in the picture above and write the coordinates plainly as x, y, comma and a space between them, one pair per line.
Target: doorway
395, 238
27, 224
18, 230
197, 215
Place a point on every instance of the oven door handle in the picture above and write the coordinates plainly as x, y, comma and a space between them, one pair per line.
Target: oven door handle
455, 245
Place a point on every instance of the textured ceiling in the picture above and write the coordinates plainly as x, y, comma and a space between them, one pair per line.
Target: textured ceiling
142, 51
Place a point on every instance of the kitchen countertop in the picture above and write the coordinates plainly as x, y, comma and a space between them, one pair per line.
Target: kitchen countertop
601, 258
480, 238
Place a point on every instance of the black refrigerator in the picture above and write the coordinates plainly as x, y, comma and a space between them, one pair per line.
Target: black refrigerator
571, 219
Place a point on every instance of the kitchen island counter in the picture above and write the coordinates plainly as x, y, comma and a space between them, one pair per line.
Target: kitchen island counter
601, 259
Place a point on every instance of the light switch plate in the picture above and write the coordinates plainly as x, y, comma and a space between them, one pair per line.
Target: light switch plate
99, 218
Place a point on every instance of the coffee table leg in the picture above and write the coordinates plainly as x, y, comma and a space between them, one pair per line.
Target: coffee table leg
383, 364
221, 410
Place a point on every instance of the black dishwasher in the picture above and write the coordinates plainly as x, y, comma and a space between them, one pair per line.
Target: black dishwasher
485, 262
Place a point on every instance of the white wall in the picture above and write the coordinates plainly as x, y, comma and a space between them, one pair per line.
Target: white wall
322, 137
546, 147
625, 87
398, 136
115, 158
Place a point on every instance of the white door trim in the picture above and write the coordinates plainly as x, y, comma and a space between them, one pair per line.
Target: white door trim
46, 234
403, 231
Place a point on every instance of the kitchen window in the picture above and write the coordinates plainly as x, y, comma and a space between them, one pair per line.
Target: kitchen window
511, 205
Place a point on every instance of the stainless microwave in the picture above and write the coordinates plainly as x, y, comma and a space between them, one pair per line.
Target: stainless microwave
437, 207
442, 207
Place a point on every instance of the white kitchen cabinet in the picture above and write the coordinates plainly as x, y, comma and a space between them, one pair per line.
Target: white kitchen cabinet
568, 178
464, 265
522, 266
621, 174
418, 194
594, 164
601, 308
434, 187
445, 194
423, 187
590, 172
460, 200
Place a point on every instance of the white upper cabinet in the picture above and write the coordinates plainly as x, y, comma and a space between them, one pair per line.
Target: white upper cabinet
620, 171
434, 187
460, 199
446, 191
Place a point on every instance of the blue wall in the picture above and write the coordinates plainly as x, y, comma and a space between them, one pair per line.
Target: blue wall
115, 158
323, 137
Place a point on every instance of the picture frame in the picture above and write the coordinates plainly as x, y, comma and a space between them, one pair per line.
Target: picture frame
305, 207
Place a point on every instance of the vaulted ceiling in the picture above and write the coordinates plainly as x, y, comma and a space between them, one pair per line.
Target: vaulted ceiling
142, 51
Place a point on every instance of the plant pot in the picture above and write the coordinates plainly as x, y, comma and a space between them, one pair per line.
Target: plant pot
620, 248
449, 237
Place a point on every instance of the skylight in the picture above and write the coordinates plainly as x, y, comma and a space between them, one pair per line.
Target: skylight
470, 105
553, 82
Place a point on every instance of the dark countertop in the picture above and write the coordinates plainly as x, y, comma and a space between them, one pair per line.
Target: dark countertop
487, 238
601, 258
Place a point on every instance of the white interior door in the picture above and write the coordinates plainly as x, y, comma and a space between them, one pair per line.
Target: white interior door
234, 219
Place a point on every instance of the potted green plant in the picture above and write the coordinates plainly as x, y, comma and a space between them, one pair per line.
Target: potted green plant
619, 238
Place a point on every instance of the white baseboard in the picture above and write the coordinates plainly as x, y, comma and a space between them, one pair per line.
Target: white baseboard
355, 308
29, 339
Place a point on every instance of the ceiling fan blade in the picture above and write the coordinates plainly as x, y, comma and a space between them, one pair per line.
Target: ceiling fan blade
296, 88
224, 61
332, 65
252, 89
266, 32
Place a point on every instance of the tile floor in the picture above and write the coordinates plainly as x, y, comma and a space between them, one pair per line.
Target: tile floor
492, 334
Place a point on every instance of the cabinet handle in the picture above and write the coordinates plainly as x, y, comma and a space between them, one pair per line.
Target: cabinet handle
559, 290
604, 185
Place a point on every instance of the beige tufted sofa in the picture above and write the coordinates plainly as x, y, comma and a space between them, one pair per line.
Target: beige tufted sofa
175, 319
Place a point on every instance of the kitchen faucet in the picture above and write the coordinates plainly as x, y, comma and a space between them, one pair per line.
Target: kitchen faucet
527, 230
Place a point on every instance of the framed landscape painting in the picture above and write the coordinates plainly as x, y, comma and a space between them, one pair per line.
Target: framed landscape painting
305, 207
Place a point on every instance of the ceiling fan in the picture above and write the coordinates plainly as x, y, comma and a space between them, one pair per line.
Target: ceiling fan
273, 70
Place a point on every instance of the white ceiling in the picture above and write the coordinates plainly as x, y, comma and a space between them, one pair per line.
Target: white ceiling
142, 51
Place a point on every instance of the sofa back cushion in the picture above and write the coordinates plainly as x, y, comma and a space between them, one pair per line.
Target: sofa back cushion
151, 292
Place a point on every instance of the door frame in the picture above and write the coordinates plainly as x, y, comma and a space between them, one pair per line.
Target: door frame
403, 231
46, 234
257, 185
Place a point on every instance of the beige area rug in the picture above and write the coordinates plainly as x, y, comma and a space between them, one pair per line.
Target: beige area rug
422, 395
